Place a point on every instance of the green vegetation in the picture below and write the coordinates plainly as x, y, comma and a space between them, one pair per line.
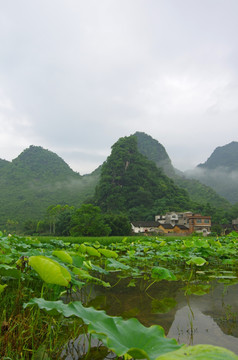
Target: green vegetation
36, 179
39, 283
223, 156
220, 171
198, 192
38, 183
132, 184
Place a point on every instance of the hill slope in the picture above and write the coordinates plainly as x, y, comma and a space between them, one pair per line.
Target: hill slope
133, 184
220, 171
223, 157
36, 179
197, 191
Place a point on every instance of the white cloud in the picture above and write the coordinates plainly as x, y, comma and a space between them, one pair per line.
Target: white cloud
79, 75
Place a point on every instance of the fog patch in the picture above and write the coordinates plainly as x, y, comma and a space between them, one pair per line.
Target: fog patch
222, 180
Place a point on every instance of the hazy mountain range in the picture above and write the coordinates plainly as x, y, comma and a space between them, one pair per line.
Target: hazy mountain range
38, 178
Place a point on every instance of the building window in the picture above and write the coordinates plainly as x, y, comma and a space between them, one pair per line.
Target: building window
199, 221
206, 221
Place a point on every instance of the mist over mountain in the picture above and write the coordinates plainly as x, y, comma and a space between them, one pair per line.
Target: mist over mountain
197, 191
36, 179
223, 157
220, 171
140, 179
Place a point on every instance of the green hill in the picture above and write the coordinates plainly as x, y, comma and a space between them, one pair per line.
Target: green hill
138, 178
36, 179
220, 171
197, 191
223, 157
132, 184
155, 152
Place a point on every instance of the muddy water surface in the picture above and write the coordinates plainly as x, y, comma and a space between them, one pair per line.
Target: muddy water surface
210, 317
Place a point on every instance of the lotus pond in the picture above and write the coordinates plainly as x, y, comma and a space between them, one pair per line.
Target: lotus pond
142, 298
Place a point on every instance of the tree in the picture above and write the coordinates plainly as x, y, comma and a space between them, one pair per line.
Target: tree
62, 226
88, 221
29, 227
53, 213
119, 224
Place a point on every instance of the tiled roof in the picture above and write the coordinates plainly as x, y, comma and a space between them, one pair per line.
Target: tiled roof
167, 226
145, 223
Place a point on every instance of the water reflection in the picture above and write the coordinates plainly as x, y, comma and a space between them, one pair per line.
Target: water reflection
210, 317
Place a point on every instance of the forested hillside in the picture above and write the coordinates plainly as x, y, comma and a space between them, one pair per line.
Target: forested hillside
223, 156
197, 191
36, 179
133, 181
220, 171
133, 184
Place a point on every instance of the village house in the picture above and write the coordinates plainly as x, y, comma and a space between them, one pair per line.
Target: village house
145, 227
181, 223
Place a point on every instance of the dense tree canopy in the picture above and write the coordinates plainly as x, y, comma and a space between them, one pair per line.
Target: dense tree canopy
131, 183
88, 221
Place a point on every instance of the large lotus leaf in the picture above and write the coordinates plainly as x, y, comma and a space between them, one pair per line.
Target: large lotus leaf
6, 259
160, 273
200, 352
77, 260
6, 270
84, 275
199, 261
201, 243
92, 251
50, 271
99, 269
82, 248
108, 253
121, 336
117, 265
63, 255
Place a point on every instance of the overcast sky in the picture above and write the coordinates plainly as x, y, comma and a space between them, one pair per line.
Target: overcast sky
75, 75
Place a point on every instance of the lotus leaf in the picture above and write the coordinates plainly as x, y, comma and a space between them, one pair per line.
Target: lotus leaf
92, 251
160, 273
63, 255
200, 352
6, 270
108, 253
112, 263
121, 336
50, 271
199, 261
84, 275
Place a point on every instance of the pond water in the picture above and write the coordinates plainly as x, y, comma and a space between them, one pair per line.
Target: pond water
210, 317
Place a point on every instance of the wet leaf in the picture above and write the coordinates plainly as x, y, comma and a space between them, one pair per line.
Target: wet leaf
108, 253
50, 271
199, 261
6, 270
63, 255
121, 336
92, 251
160, 273
200, 352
